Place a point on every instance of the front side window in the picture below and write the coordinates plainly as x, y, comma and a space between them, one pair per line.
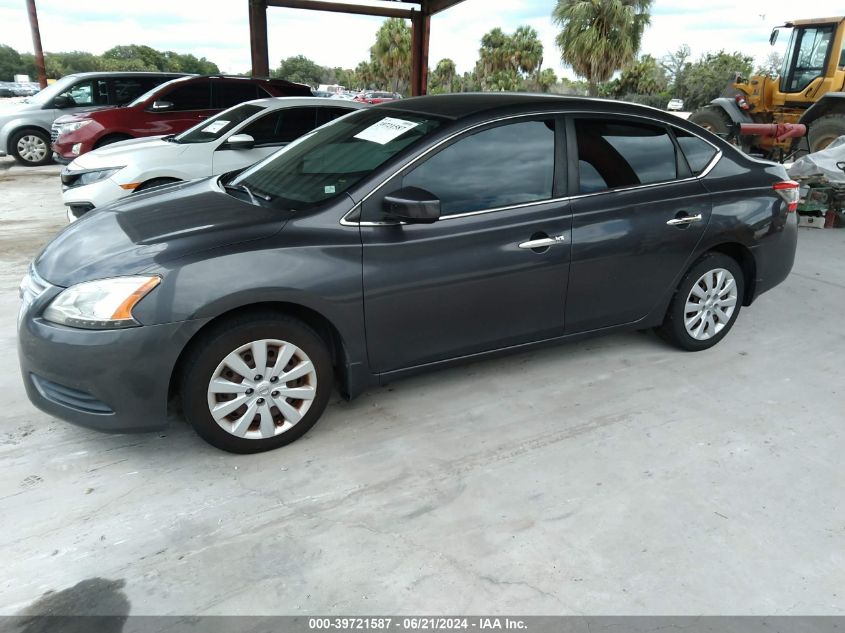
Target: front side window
89, 92
501, 166
323, 164
193, 96
808, 49
219, 125
616, 154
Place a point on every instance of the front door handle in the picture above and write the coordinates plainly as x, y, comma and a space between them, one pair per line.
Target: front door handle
543, 242
685, 220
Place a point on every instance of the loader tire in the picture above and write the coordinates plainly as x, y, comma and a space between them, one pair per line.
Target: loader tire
825, 130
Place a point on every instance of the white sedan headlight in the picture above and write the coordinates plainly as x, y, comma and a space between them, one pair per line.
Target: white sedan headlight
66, 128
100, 305
90, 177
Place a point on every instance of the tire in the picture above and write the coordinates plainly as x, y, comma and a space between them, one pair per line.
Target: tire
273, 416
155, 182
108, 140
31, 147
714, 270
824, 130
713, 120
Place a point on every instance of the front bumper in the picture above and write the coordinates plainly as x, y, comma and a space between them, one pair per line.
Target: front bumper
115, 381
80, 200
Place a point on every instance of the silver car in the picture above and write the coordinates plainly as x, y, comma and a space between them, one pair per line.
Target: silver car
25, 126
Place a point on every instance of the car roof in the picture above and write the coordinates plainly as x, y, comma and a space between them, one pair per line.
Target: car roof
130, 73
461, 105
276, 103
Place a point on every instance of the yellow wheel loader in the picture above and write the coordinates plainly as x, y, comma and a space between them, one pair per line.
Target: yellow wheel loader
810, 90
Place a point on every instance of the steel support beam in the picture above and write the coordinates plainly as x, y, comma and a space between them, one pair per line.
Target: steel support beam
340, 7
36, 43
421, 30
258, 38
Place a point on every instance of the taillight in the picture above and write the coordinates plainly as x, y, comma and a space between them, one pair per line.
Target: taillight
742, 102
789, 191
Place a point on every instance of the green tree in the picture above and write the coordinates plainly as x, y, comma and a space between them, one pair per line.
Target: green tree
10, 63
188, 63
643, 77
509, 62
599, 37
546, 80
150, 57
771, 66
710, 76
673, 63
443, 78
392, 53
301, 70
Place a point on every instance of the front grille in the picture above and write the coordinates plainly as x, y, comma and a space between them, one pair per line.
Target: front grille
54, 133
73, 398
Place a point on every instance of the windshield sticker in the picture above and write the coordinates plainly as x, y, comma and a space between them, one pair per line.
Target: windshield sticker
385, 130
213, 128
328, 189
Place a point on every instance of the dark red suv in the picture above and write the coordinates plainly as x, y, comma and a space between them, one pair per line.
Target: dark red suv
169, 108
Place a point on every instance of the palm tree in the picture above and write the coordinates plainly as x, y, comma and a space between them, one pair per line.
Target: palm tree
443, 76
599, 37
527, 50
392, 52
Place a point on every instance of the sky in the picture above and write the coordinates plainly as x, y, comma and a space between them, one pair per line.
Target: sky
219, 29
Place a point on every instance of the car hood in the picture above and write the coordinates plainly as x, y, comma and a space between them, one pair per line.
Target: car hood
128, 152
147, 230
82, 113
11, 110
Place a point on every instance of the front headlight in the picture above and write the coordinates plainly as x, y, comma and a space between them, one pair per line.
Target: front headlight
100, 305
90, 177
67, 128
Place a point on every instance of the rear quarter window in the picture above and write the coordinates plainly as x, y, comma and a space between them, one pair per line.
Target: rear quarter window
697, 151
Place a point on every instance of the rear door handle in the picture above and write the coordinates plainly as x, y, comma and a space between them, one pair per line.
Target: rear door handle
684, 221
543, 242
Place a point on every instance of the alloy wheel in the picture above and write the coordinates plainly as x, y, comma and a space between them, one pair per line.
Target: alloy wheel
262, 389
710, 304
32, 148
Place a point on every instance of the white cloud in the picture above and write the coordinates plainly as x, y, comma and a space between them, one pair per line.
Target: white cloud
220, 31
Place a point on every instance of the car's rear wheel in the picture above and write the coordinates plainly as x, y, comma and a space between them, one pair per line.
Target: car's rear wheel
31, 147
706, 304
256, 383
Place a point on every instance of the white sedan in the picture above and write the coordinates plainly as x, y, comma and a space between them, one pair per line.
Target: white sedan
228, 141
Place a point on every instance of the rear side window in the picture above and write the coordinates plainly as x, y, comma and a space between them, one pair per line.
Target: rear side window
193, 96
698, 152
324, 115
501, 166
615, 154
282, 126
128, 88
229, 93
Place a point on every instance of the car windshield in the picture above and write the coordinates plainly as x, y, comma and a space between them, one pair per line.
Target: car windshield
326, 162
52, 90
218, 125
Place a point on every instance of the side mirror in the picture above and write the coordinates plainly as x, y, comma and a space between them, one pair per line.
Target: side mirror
62, 101
773, 37
240, 141
412, 205
161, 106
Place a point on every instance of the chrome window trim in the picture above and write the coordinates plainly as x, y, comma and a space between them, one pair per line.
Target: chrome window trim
716, 158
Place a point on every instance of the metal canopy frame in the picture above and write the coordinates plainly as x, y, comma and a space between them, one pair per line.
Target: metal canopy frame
419, 12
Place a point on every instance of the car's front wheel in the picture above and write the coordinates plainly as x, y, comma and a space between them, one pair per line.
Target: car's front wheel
706, 304
256, 383
31, 147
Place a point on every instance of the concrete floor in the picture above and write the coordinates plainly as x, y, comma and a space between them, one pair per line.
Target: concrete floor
612, 476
